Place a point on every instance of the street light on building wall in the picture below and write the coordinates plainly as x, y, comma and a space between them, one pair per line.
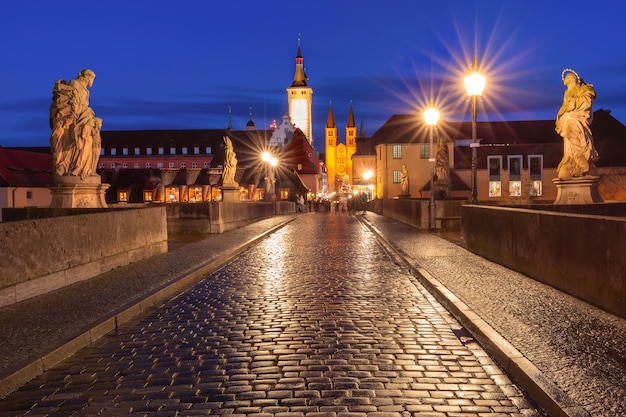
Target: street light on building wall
431, 116
474, 84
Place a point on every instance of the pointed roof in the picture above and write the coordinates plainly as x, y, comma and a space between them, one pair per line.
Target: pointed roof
331, 117
299, 78
351, 117
298, 152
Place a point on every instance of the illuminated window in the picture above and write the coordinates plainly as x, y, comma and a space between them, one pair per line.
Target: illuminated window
125, 165
113, 151
397, 151
195, 194
494, 164
194, 165
159, 164
196, 150
184, 150
136, 165
535, 174
515, 175
148, 151
122, 196
147, 195
172, 164
172, 150
124, 151
396, 177
148, 165
161, 151
424, 151
207, 165
207, 150
172, 194
101, 151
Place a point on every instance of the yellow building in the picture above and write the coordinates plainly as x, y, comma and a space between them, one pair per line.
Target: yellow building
339, 155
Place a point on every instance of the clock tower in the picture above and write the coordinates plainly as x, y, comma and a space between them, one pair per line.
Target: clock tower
299, 96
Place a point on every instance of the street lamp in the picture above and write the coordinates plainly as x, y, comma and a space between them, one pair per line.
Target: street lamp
431, 116
270, 160
474, 84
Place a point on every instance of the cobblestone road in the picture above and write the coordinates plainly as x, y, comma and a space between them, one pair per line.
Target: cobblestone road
317, 320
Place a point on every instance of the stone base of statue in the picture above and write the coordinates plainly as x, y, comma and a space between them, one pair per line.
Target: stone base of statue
231, 194
402, 196
579, 190
76, 192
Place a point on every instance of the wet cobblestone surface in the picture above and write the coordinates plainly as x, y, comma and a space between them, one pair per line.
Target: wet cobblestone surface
580, 348
317, 320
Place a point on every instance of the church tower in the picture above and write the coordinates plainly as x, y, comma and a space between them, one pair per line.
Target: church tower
331, 149
300, 97
350, 143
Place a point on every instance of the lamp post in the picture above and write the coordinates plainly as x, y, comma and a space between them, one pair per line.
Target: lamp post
431, 116
474, 84
271, 162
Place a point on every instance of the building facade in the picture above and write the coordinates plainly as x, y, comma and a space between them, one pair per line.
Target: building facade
516, 160
25, 176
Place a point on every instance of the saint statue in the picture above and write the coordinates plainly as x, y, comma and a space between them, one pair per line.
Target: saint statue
75, 140
442, 169
404, 181
573, 123
230, 164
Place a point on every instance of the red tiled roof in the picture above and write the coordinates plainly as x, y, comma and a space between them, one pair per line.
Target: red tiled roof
298, 152
24, 168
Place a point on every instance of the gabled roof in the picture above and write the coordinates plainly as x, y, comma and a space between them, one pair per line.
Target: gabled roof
298, 151
24, 168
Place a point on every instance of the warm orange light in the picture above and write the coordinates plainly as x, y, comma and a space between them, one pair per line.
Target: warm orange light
431, 116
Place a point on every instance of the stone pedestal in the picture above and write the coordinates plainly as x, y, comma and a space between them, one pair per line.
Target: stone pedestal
231, 195
76, 192
579, 190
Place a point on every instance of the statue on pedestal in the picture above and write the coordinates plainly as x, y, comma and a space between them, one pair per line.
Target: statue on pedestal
573, 123
75, 140
577, 179
75, 145
230, 165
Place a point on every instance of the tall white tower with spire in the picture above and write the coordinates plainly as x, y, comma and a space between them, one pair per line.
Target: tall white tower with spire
300, 98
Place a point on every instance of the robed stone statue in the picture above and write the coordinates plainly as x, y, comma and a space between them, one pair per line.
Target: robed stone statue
230, 164
573, 123
75, 145
75, 141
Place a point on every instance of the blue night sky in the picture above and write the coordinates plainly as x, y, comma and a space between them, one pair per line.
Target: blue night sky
182, 64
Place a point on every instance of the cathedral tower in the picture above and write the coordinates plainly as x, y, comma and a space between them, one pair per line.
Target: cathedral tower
350, 143
300, 97
331, 149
